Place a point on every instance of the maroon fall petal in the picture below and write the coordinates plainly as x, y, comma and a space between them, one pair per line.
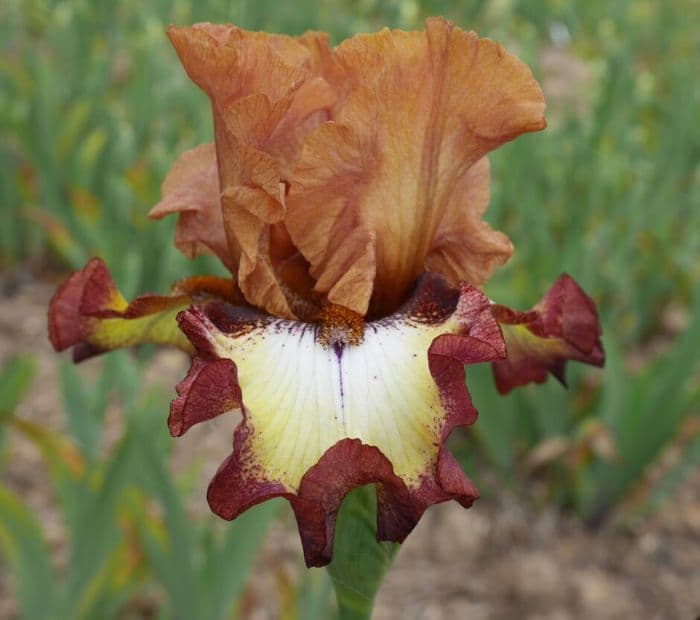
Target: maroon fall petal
563, 326
89, 313
210, 389
238, 347
66, 323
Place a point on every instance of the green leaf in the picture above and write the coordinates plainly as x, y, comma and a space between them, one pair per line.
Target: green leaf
172, 556
86, 402
359, 561
497, 424
77, 396
226, 570
672, 479
15, 379
313, 597
16, 376
645, 413
61, 456
93, 527
23, 546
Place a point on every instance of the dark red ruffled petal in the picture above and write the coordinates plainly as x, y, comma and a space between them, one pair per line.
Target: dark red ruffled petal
563, 326
320, 420
210, 389
66, 324
89, 313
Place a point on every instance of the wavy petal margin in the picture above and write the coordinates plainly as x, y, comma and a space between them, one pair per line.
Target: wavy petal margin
228, 62
191, 189
89, 314
390, 176
563, 326
267, 94
320, 420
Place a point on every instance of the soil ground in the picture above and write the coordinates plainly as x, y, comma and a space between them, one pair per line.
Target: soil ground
503, 559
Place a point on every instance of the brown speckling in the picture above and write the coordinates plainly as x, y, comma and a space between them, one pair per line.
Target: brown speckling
338, 325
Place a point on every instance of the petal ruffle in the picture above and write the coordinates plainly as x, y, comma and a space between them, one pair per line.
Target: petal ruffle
563, 326
192, 190
89, 313
465, 247
229, 63
266, 94
325, 418
393, 169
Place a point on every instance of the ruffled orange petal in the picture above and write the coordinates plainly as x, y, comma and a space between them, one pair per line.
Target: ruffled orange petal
192, 190
416, 111
228, 63
266, 96
465, 247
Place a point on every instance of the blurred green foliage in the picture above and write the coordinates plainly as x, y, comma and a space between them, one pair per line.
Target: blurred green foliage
95, 108
126, 522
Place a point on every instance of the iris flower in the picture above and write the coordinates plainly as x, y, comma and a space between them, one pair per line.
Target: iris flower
344, 191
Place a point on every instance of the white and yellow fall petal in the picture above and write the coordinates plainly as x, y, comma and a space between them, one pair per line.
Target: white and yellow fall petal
307, 389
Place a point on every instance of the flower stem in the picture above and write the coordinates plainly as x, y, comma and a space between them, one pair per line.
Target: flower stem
359, 562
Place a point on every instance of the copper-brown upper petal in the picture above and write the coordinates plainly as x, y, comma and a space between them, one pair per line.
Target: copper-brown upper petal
465, 246
192, 190
228, 63
266, 94
415, 111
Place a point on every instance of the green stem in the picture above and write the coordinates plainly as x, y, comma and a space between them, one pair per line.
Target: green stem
359, 562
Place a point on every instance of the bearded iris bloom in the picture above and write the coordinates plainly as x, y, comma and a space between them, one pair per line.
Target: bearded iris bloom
345, 192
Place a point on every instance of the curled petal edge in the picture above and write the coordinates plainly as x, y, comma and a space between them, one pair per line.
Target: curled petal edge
191, 189
395, 172
457, 327
563, 326
89, 314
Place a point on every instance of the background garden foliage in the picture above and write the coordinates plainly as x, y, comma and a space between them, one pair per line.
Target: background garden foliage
94, 109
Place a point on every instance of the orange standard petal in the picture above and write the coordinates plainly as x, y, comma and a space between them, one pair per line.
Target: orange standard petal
397, 179
266, 94
192, 190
